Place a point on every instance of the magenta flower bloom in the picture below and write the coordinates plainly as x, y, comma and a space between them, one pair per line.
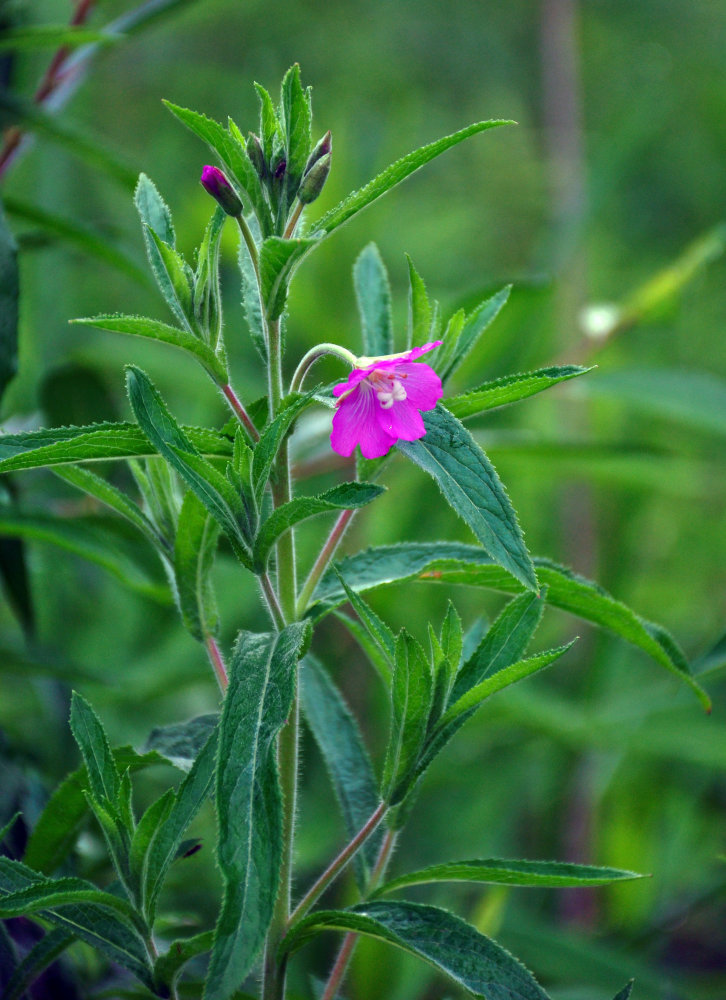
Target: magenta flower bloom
381, 403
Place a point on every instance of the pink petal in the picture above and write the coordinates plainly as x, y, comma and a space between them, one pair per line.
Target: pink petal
422, 384
402, 421
356, 376
355, 423
416, 352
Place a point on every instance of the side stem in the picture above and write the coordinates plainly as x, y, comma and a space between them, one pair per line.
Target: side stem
322, 562
239, 410
217, 661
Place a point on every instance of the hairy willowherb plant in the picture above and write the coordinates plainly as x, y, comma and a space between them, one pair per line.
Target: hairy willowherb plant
196, 486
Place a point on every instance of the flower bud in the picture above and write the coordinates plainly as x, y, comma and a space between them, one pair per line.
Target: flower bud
215, 183
323, 147
256, 155
314, 180
278, 168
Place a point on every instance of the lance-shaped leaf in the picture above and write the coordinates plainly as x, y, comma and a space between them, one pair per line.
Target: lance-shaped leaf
251, 301
168, 966
8, 305
194, 550
394, 174
175, 280
97, 925
624, 994
261, 688
411, 697
454, 562
89, 734
373, 294
346, 496
49, 893
98, 488
95, 443
472, 487
215, 492
278, 260
510, 389
233, 156
452, 946
346, 759
505, 871
462, 336
272, 437
40, 956
296, 117
141, 326
419, 309
207, 295
377, 629
182, 742
153, 211
504, 643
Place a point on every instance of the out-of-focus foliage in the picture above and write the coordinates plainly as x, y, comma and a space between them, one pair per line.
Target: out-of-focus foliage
600, 760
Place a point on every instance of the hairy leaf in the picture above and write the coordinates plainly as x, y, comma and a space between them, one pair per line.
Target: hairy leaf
373, 294
182, 742
460, 339
194, 550
103, 777
278, 260
411, 697
510, 389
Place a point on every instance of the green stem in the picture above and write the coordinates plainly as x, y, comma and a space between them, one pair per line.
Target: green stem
322, 562
290, 229
251, 247
313, 355
273, 605
339, 863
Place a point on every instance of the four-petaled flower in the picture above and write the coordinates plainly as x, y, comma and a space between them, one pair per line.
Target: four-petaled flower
380, 402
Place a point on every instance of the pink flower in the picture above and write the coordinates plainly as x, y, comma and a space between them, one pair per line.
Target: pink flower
380, 403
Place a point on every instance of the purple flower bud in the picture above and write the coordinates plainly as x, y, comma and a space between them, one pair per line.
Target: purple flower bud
321, 150
215, 183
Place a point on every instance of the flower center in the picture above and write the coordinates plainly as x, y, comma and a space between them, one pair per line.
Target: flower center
388, 388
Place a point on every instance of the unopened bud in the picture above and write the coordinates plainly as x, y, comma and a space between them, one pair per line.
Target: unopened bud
256, 155
314, 180
215, 183
323, 147
279, 168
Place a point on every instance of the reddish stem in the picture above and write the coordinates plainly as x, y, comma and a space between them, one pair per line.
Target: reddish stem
215, 657
240, 411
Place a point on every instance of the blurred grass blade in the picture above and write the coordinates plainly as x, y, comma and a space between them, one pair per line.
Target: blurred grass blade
52, 36
502, 871
509, 389
351, 774
452, 946
8, 306
262, 677
473, 489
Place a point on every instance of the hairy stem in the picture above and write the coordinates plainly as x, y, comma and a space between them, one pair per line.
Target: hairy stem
239, 410
323, 561
217, 661
273, 605
294, 218
251, 247
339, 863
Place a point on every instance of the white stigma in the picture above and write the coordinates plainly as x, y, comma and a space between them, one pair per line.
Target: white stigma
394, 393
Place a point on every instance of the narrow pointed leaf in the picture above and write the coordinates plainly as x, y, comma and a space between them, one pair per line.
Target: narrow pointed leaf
297, 121
218, 496
474, 325
93, 743
502, 871
346, 496
419, 308
251, 301
411, 697
471, 486
141, 326
370, 647
261, 687
278, 260
510, 389
153, 211
624, 994
452, 946
98, 488
379, 632
346, 759
453, 562
168, 965
182, 742
394, 174
52, 894
373, 294
95, 443
272, 437
194, 551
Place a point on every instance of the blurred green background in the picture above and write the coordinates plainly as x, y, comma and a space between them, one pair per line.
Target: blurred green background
610, 190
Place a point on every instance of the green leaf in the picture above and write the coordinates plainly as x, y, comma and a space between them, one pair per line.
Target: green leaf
168, 965
454, 349
232, 155
154, 212
49, 893
470, 484
502, 871
262, 674
393, 175
296, 117
40, 956
411, 697
207, 296
175, 280
453, 562
218, 496
505, 642
140, 326
346, 496
95, 443
373, 294
52, 36
419, 308
270, 131
278, 260
379, 632
93, 743
164, 846
346, 759
452, 946
368, 645
272, 437
694, 398
97, 487
8, 305
97, 925
251, 301
182, 742
79, 236
624, 994
141, 843
510, 389
100, 540
194, 551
